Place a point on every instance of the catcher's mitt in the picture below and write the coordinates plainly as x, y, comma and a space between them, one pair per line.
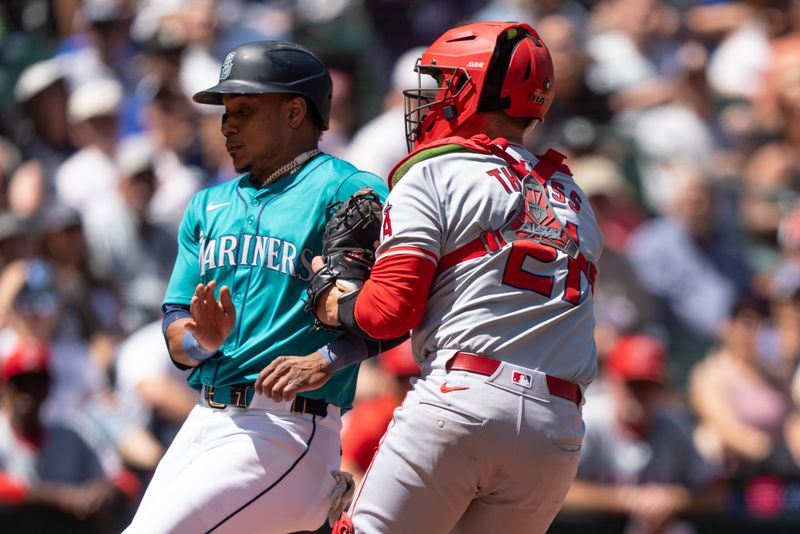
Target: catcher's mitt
348, 247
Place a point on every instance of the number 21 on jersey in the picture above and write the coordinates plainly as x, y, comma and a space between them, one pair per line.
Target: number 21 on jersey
516, 275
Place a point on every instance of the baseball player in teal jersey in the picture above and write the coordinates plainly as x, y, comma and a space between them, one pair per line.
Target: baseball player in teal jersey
244, 462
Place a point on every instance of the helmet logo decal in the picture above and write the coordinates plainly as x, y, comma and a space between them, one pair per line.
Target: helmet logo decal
227, 65
475, 64
536, 98
547, 84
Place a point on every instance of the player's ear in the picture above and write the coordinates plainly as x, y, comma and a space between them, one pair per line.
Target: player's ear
296, 108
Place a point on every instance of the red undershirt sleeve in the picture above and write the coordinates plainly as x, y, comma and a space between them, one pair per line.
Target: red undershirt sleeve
393, 300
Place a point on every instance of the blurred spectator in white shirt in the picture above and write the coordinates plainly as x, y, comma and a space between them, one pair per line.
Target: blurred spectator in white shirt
154, 389
90, 176
41, 92
381, 142
126, 248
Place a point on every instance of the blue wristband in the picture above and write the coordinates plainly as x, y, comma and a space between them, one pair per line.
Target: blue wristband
173, 312
349, 348
328, 356
193, 349
343, 351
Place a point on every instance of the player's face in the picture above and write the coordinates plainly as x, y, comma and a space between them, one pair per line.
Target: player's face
256, 131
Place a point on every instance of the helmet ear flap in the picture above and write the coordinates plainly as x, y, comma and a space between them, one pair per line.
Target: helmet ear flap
491, 98
519, 78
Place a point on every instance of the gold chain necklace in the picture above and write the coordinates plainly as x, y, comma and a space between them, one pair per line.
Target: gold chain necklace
290, 167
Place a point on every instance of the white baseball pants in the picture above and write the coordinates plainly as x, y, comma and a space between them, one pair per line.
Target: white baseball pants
260, 469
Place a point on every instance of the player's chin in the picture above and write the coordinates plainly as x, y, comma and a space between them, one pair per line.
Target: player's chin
241, 166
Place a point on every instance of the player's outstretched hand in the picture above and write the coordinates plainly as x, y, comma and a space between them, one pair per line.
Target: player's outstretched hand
212, 319
327, 310
287, 376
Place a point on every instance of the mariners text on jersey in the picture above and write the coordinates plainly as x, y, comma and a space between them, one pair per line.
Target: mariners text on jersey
251, 250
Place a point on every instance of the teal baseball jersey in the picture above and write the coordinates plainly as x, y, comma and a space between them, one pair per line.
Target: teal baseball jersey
260, 242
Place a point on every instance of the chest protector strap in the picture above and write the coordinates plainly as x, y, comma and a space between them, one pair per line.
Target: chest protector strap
534, 217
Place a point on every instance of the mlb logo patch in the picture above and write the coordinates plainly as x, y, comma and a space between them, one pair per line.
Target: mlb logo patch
521, 379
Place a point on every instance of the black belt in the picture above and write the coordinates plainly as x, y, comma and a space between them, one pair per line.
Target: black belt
241, 396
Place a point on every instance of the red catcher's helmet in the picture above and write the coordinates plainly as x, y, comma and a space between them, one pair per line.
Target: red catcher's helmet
486, 66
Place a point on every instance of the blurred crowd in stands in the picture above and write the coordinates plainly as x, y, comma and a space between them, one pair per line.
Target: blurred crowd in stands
681, 119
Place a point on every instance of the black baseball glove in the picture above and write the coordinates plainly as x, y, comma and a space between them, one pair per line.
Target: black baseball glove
348, 247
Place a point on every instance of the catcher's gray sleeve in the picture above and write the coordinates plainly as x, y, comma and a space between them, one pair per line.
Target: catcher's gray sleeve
349, 348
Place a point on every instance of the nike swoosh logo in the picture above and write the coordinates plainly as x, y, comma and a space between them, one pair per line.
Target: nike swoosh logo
212, 206
447, 389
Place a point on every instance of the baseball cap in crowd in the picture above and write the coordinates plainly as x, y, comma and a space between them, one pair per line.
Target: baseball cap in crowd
102, 11
599, 176
403, 74
99, 97
638, 357
57, 217
135, 154
38, 295
28, 356
36, 78
399, 361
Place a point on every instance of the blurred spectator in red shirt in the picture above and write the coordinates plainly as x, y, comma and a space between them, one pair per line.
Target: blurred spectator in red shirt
63, 469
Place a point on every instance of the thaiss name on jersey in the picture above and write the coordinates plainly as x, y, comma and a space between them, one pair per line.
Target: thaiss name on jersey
255, 251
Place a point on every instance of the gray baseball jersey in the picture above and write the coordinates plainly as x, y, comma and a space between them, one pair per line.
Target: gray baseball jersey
527, 303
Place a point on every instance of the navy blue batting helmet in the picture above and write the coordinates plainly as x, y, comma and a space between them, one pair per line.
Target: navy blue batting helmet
273, 67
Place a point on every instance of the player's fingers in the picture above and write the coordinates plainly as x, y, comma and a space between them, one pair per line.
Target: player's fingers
302, 380
208, 295
293, 387
296, 385
265, 377
280, 385
200, 292
197, 299
271, 378
227, 302
317, 263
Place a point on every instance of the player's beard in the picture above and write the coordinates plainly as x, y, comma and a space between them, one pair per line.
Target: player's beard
241, 167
